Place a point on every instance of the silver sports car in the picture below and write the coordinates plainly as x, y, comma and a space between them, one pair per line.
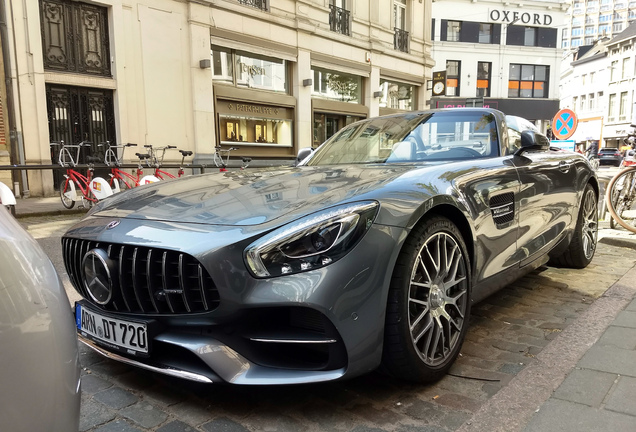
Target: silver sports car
370, 252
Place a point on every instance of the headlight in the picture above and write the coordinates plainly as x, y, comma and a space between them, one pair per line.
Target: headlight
311, 242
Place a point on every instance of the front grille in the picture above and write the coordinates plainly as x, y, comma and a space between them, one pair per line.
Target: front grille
146, 280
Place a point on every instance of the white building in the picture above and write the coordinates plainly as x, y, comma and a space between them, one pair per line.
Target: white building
599, 83
621, 56
268, 76
583, 88
507, 54
591, 20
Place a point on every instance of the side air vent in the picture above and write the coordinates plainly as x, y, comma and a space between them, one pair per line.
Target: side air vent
503, 208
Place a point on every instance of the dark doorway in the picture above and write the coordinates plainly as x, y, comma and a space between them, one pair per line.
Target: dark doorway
327, 124
79, 114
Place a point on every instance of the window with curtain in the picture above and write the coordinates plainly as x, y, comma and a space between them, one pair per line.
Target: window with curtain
483, 79
453, 69
528, 81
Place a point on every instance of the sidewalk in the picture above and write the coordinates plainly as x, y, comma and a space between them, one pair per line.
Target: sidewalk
49, 206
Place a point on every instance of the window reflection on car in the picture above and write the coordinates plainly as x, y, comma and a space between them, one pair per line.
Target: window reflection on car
418, 137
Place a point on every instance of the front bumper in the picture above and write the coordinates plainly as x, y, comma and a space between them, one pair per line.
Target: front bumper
320, 325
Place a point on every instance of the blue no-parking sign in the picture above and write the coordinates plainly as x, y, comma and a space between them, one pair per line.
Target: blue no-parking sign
564, 124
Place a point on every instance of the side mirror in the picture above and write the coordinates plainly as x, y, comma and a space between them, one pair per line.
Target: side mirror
303, 154
531, 140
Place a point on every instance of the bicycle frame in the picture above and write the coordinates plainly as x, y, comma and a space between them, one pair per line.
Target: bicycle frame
217, 157
92, 189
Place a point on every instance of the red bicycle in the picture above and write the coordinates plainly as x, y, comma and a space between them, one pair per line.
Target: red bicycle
156, 160
79, 187
120, 179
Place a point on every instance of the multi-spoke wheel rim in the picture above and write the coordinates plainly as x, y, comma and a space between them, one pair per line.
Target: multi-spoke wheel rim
438, 298
590, 223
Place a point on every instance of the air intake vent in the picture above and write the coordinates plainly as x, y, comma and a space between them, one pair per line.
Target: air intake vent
503, 208
146, 280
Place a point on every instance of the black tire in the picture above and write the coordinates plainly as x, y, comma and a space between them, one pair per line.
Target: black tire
428, 306
66, 202
583, 244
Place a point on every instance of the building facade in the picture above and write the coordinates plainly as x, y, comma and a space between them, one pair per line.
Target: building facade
590, 20
499, 55
583, 89
267, 76
598, 83
621, 91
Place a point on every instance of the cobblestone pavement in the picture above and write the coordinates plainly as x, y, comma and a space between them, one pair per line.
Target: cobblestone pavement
506, 332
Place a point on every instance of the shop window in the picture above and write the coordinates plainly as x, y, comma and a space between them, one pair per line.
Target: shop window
397, 95
528, 81
622, 110
485, 33
483, 79
611, 107
336, 85
453, 69
254, 124
249, 70
544, 37
453, 31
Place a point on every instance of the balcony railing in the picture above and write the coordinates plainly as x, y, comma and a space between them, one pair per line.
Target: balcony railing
401, 40
258, 4
339, 19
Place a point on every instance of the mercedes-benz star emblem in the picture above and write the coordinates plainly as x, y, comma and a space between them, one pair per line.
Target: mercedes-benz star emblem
97, 276
112, 224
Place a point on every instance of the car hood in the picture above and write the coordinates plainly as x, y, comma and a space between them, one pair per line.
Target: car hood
251, 197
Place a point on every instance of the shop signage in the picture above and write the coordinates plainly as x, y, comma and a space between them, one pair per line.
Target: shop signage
251, 69
461, 103
506, 16
257, 109
439, 83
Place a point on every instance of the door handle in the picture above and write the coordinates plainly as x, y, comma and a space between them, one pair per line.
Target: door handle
564, 166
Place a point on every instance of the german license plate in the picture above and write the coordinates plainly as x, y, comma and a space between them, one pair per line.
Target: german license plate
130, 336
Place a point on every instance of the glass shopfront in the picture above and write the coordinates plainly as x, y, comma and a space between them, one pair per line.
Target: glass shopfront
254, 124
327, 124
336, 102
336, 86
247, 70
396, 95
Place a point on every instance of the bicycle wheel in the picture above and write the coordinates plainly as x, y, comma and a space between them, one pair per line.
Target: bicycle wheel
621, 195
66, 195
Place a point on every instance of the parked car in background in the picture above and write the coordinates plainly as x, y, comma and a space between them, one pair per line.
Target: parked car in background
39, 360
370, 252
610, 156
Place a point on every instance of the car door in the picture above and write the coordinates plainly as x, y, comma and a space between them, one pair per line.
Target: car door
547, 199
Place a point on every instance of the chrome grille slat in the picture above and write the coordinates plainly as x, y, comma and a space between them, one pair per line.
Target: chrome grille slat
164, 281
147, 280
77, 265
182, 284
149, 283
202, 287
121, 284
135, 283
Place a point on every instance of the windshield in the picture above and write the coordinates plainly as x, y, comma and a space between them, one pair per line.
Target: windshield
416, 137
